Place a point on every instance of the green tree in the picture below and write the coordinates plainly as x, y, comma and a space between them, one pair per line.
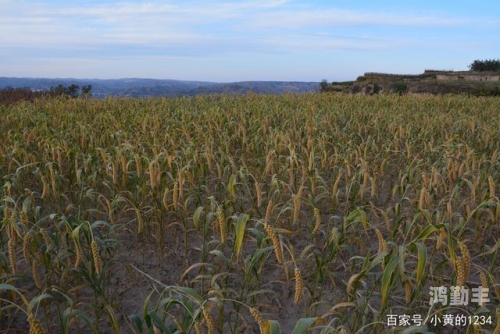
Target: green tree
73, 91
488, 65
323, 86
59, 90
86, 90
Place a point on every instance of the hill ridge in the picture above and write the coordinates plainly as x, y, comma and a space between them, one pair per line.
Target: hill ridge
141, 87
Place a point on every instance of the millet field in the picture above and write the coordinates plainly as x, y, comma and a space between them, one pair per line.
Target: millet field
314, 213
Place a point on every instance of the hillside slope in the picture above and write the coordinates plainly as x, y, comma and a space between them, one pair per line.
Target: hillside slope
429, 82
155, 87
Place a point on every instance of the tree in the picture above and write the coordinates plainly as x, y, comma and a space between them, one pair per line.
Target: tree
323, 86
71, 91
488, 65
59, 90
86, 90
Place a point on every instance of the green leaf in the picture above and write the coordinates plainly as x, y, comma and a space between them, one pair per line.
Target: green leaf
196, 216
70, 312
194, 266
422, 260
303, 325
145, 309
8, 287
137, 321
273, 327
261, 292
426, 231
492, 250
375, 262
250, 264
241, 224
401, 254
113, 319
387, 279
38, 299
220, 255
158, 322
76, 233
190, 293
231, 186
416, 330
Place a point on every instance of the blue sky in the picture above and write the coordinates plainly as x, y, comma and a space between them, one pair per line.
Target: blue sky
243, 40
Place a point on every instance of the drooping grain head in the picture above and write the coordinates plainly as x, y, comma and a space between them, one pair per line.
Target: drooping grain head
296, 207
221, 222
180, 327
408, 292
460, 270
276, 242
421, 199
382, 244
466, 258
258, 192
484, 280
299, 284
12, 257
260, 320
373, 185
497, 328
27, 247
197, 328
209, 321
36, 276
35, 326
175, 195
96, 257
491, 184
269, 210
477, 328
165, 198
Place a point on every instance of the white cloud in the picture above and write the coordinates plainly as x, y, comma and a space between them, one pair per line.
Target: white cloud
157, 15
199, 23
339, 17
131, 30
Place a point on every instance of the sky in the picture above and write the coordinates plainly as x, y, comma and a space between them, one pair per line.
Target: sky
226, 41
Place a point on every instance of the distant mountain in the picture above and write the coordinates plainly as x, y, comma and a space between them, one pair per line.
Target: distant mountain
156, 87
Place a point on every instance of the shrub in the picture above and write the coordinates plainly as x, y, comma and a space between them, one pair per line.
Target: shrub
399, 88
